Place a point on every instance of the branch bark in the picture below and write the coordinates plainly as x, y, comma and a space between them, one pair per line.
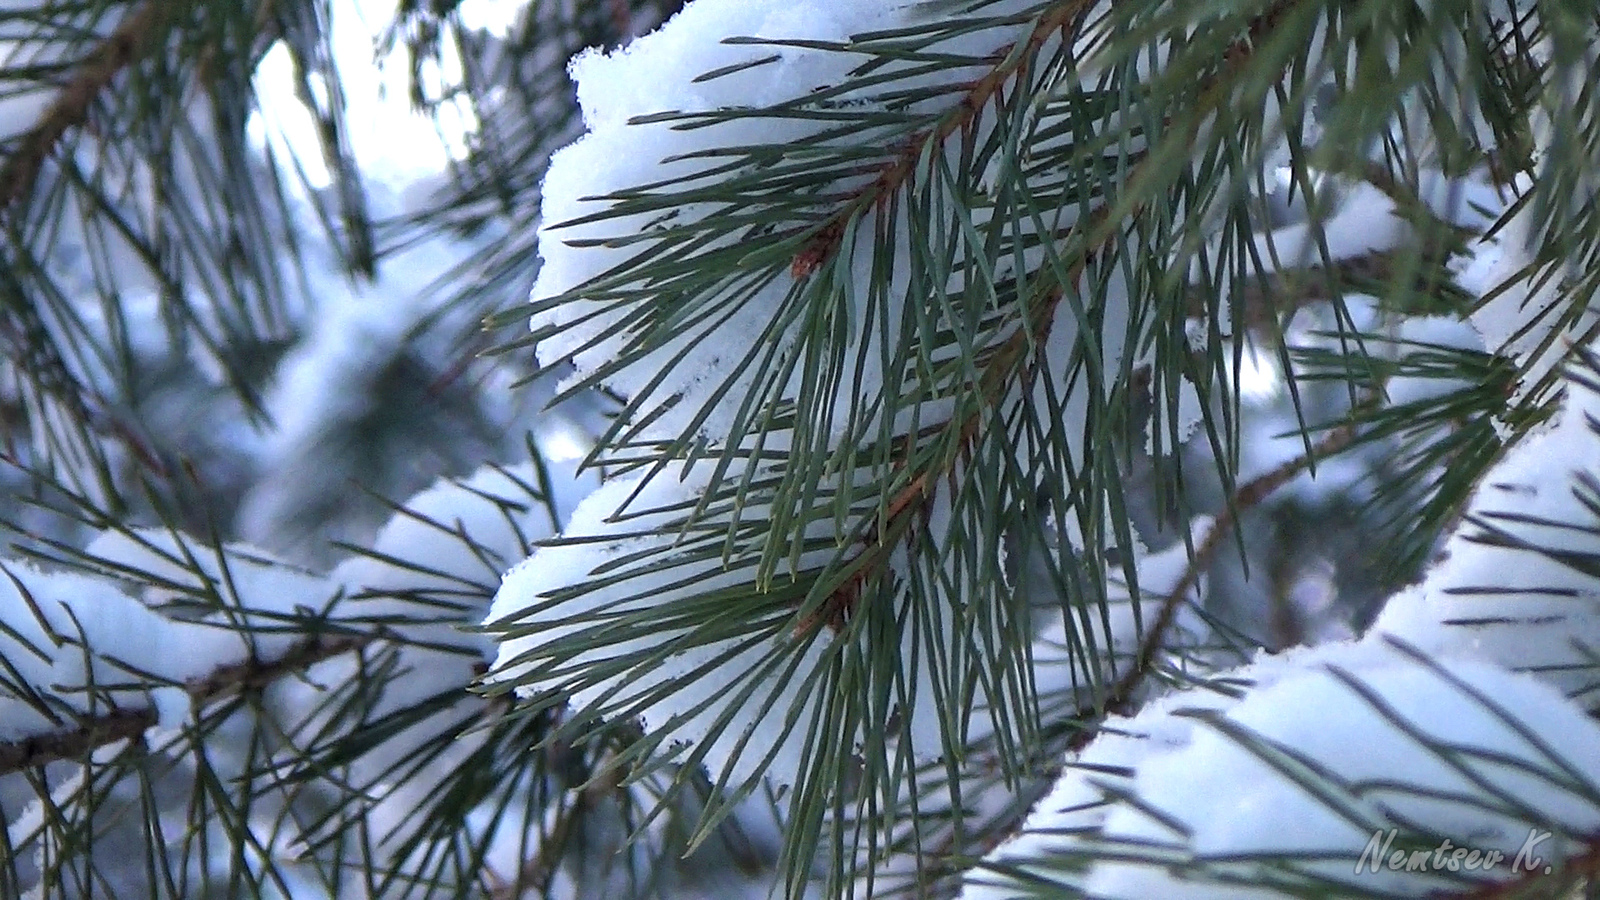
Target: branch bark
825, 238
133, 37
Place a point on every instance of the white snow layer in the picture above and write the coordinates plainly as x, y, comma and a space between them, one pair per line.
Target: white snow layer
173, 567
1518, 583
1522, 316
1352, 720
1515, 589
76, 645
450, 544
560, 592
659, 72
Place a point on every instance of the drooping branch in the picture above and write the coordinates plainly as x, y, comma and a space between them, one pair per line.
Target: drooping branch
100, 729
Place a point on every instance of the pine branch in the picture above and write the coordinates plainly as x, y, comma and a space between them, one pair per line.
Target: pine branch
1119, 700
1013, 356
134, 37
223, 682
1014, 58
92, 732
1261, 303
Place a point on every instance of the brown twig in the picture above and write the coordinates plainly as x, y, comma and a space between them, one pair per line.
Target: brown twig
1012, 355
1246, 497
74, 743
824, 241
840, 605
118, 724
132, 38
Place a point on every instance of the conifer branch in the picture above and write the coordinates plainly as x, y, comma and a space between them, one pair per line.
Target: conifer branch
824, 242
225, 681
133, 37
1020, 346
1247, 497
540, 868
1013, 64
140, 32
74, 743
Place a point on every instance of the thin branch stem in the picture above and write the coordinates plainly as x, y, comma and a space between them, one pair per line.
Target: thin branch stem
1248, 496
133, 37
1014, 63
1012, 357
540, 869
224, 681
74, 743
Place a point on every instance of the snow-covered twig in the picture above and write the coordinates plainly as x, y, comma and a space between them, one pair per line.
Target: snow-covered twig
224, 681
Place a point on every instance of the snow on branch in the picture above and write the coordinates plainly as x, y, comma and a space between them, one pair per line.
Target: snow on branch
746, 211
1519, 583
83, 664
1528, 310
426, 578
1332, 765
700, 147
627, 587
1458, 720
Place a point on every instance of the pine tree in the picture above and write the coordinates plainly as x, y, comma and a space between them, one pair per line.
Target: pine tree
1002, 448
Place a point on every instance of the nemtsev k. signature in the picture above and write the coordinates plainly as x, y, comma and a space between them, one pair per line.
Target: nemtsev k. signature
1382, 856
